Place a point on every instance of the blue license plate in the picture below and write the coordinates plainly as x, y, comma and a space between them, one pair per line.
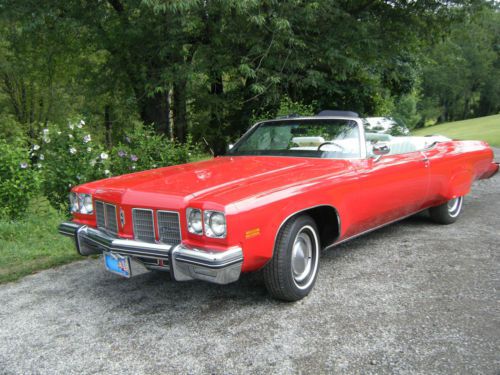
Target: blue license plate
117, 264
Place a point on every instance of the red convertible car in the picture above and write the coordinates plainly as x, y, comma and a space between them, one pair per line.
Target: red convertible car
286, 190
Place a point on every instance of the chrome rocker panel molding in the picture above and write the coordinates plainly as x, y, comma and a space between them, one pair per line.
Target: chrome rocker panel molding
219, 267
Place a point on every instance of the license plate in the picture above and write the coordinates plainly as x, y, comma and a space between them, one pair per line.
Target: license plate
117, 264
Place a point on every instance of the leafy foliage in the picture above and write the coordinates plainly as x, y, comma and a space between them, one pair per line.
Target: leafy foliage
461, 78
19, 182
144, 149
205, 70
68, 155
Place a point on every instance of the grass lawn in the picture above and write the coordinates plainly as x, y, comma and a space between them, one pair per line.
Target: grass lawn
481, 128
33, 244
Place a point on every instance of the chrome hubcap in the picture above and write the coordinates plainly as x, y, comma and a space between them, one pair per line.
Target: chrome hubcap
454, 206
302, 253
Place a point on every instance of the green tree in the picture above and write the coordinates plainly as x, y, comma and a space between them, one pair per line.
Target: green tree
462, 73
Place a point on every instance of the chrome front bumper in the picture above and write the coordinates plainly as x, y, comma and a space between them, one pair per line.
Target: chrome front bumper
220, 267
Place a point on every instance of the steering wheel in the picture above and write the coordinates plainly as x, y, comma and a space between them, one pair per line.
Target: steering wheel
331, 143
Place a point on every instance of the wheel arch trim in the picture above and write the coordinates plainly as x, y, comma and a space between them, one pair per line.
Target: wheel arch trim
304, 210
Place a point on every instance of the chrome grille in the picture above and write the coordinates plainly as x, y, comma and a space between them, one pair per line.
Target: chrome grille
106, 216
111, 222
99, 212
143, 224
169, 227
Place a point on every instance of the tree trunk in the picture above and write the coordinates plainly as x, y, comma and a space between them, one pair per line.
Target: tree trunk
108, 125
155, 110
216, 115
180, 111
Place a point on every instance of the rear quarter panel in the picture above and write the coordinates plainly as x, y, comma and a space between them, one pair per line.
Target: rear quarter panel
454, 166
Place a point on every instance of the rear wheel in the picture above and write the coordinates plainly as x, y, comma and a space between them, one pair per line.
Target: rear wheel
448, 212
291, 273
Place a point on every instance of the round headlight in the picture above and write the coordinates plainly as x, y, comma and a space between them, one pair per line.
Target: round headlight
86, 206
215, 224
73, 202
194, 221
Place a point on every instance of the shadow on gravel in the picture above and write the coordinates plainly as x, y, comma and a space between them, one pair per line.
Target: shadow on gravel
155, 292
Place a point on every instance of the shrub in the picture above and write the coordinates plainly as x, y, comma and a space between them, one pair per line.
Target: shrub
144, 149
69, 156
19, 182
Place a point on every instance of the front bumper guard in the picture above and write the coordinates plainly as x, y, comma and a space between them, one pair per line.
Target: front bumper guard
220, 267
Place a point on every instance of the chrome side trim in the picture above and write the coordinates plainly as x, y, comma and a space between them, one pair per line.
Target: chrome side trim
219, 267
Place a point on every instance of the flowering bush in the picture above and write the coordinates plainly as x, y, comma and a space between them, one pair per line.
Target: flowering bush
144, 149
69, 156
19, 182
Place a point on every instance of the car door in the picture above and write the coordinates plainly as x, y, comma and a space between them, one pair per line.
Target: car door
392, 187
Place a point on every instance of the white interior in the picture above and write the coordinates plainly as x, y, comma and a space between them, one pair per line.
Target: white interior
401, 144
397, 144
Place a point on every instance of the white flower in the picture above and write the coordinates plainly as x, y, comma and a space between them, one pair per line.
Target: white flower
78, 177
92, 162
72, 150
41, 157
36, 147
70, 136
45, 131
104, 156
38, 165
106, 172
133, 167
79, 126
89, 149
58, 133
46, 140
82, 123
71, 126
87, 138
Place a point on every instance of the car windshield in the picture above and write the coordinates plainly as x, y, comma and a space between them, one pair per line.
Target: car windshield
385, 125
322, 138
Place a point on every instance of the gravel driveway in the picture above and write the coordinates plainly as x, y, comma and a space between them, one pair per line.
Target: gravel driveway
413, 297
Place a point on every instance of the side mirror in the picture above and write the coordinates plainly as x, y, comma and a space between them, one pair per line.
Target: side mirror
380, 149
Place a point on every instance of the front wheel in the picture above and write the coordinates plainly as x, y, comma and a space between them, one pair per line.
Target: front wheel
448, 212
291, 273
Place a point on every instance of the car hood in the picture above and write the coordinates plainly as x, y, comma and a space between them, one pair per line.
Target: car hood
221, 180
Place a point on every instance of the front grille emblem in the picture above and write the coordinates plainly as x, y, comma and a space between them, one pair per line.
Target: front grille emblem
122, 217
